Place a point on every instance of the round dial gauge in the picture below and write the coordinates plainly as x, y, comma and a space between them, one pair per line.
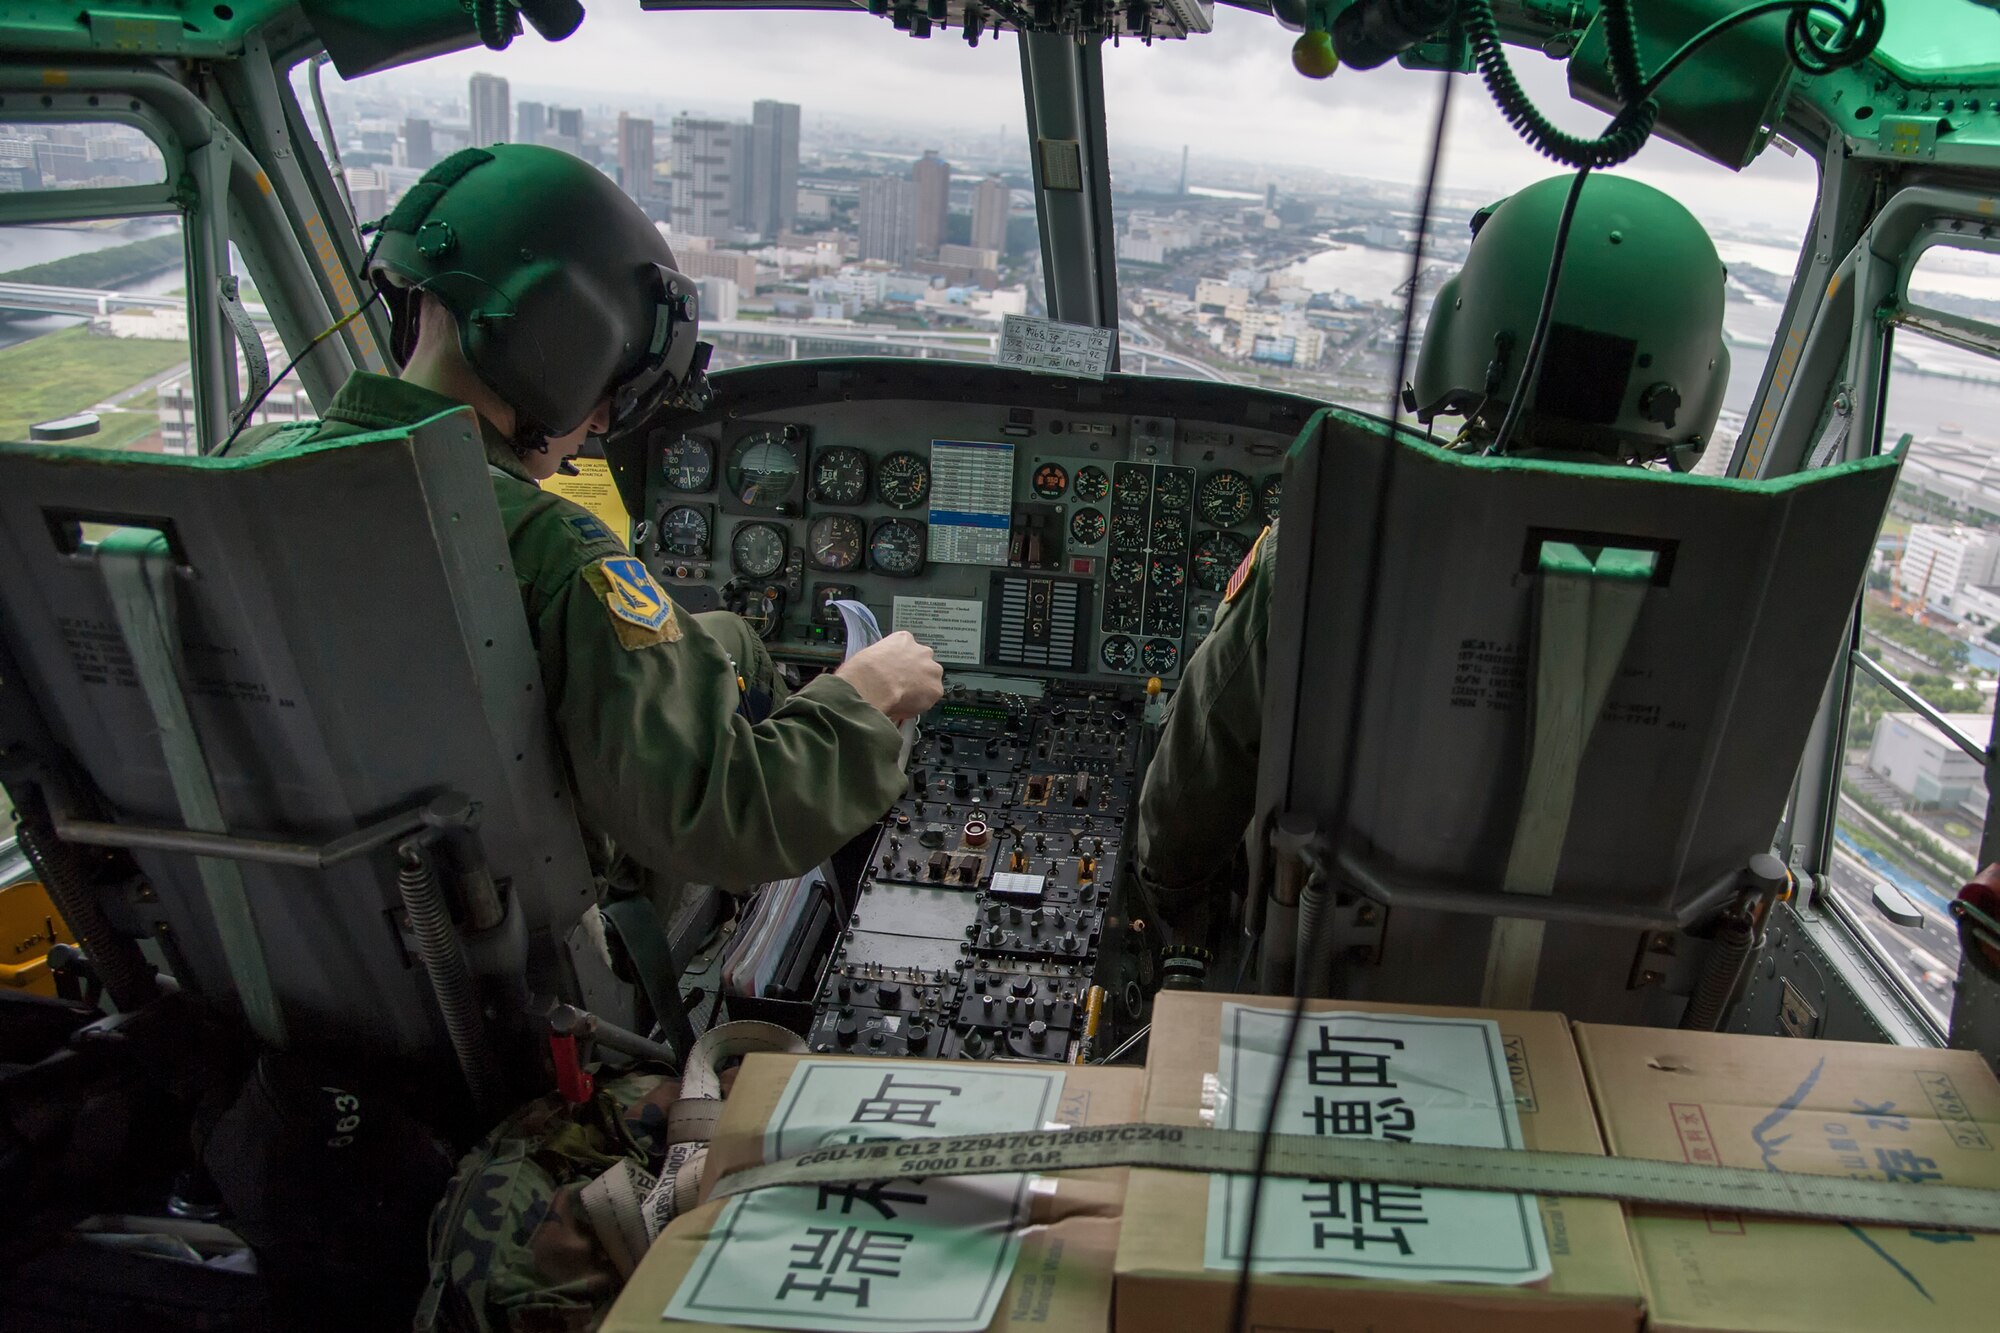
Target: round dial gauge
1125, 571
840, 476
1087, 526
1160, 656
1269, 494
1051, 481
1170, 534
1226, 499
1119, 653
897, 547
1173, 489
1128, 532
1166, 573
1164, 617
688, 463
1216, 556
758, 549
763, 468
1121, 609
902, 480
684, 533
1092, 484
835, 542
1132, 489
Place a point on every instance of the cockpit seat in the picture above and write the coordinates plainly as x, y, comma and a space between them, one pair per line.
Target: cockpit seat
298, 690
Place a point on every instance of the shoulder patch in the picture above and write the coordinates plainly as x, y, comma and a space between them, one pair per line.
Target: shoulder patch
1242, 574
641, 611
589, 527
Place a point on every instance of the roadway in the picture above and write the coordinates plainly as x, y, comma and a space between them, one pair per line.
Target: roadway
1926, 955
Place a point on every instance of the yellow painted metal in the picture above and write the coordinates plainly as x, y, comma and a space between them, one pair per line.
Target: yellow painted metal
29, 928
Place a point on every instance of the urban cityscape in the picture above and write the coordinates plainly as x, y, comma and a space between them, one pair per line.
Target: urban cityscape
864, 243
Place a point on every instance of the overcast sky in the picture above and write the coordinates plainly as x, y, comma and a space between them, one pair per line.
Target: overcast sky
1232, 94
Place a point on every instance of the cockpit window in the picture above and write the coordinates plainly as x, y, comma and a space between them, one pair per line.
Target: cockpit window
1265, 220
1924, 39
82, 156
820, 218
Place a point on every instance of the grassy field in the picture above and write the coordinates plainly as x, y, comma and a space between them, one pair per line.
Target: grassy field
62, 373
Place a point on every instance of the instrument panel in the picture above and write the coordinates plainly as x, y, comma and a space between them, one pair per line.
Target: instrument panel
1012, 521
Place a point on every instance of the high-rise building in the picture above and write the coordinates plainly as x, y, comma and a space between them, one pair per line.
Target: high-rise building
565, 130
931, 177
703, 180
742, 174
635, 156
488, 95
773, 167
531, 119
888, 219
418, 150
991, 201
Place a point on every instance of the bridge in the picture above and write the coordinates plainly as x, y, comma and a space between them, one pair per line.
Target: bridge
778, 340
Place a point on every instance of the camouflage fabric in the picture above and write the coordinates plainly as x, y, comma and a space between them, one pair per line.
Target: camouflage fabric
511, 1251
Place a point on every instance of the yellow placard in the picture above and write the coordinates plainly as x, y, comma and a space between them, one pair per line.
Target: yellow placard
593, 488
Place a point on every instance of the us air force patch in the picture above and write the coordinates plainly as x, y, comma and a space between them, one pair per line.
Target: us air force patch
640, 610
589, 527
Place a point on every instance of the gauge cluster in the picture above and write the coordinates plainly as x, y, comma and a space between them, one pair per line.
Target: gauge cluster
1123, 534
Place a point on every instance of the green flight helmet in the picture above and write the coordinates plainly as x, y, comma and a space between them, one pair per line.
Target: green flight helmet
562, 288
1634, 366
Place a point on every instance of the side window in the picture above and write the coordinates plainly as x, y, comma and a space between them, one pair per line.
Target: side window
1911, 814
94, 334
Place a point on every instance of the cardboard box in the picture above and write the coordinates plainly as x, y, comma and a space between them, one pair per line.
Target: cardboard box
1061, 1281
1162, 1284
1818, 1107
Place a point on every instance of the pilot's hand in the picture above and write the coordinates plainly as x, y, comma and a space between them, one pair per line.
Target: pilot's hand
899, 676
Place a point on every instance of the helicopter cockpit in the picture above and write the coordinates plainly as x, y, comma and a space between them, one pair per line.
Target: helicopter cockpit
1607, 930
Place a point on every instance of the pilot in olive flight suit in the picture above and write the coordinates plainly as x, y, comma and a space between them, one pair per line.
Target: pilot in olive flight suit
524, 284
1641, 282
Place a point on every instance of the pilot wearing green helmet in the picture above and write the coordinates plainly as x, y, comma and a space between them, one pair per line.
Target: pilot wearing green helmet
523, 284
1633, 373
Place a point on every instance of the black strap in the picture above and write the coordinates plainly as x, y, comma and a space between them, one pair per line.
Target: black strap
645, 939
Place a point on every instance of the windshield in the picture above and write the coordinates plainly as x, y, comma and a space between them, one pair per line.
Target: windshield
1239, 185
818, 219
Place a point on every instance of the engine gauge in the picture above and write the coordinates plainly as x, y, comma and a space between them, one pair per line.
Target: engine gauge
1125, 571
1166, 573
1119, 653
1269, 494
684, 533
1173, 488
764, 468
1128, 532
1216, 556
1160, 656
824, 612
688, 463
1087, 527
1050, 481
1170, 534
902, 480
758, 549
835, 542
1226, 499
1133, 488
1121, 609
1163, 615
1092, 484
897, 548
840, 476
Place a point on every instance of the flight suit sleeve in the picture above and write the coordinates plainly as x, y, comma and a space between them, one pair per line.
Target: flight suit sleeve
669, 766
1201, 787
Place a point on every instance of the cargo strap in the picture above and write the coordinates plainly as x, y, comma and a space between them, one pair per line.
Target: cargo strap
1303, 1156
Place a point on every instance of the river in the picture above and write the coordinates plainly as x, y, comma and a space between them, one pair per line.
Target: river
23, 246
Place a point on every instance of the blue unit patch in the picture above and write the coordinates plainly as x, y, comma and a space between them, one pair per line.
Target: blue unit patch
589, 527
631, 593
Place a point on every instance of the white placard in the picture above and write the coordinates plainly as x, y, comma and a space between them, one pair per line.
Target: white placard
1058, 348
1410, 1078
935, 1254
952, 627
